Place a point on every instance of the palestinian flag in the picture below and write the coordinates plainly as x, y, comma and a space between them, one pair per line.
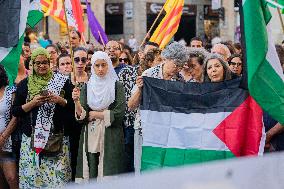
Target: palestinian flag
18, 15
264, 71
188, 123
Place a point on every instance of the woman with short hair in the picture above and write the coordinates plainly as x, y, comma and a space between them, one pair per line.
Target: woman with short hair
236, 64
193, 70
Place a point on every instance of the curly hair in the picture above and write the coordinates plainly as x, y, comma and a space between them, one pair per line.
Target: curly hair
3, 77
199, 53
177, 52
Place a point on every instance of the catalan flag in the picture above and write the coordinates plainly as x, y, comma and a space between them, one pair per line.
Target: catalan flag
74, 12
170, 23
54, 8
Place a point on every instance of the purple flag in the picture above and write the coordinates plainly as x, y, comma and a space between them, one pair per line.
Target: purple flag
95, 26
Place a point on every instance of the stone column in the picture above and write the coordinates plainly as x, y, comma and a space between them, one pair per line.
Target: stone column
227, 27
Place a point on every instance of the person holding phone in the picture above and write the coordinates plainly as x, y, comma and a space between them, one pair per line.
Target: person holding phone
42, 103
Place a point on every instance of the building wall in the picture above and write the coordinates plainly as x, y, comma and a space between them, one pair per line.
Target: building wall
138, 24
227, 27
232, 20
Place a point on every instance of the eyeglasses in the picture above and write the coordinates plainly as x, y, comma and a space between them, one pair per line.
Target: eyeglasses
123, 59
236, 64
44, 63
83, 60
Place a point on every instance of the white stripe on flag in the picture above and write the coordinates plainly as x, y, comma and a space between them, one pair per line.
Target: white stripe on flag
272, 56
183, 131
25, 4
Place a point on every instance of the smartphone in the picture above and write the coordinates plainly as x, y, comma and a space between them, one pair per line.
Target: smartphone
44, 93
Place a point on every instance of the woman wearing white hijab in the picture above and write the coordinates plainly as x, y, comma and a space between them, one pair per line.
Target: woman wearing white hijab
100, 106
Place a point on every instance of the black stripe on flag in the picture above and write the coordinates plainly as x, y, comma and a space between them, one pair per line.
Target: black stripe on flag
10, 19
169, 96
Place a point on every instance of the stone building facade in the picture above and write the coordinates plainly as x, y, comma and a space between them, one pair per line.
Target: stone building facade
122, 18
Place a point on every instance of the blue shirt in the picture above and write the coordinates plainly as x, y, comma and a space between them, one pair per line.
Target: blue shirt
119, 68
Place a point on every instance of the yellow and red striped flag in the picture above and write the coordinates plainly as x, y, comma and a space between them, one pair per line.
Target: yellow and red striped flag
170, 23
54, 8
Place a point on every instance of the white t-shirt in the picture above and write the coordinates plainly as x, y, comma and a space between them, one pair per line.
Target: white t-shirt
3, 110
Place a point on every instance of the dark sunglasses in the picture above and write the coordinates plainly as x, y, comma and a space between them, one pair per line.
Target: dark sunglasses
123, 59
83, 60
235, 64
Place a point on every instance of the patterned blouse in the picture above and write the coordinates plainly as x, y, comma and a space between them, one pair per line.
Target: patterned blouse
5, 115
127, 76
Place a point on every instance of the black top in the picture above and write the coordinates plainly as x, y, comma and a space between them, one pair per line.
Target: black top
278, 140
61, 118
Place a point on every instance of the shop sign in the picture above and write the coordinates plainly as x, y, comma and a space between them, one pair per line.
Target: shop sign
155, 8
209, 13
114, 9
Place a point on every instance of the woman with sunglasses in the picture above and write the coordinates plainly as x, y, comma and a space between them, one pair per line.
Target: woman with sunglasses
42, 103
126, 58
80, 63
235, 64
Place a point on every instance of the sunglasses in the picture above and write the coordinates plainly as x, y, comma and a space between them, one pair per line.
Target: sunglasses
83, 60
123, 59
235, 64
37, 63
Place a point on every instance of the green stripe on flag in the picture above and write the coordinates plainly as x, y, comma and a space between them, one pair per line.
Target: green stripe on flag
34, 17
11, 61
273, 101
155, 157
264, 81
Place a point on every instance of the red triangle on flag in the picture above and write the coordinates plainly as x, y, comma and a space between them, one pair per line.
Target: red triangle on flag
242, 130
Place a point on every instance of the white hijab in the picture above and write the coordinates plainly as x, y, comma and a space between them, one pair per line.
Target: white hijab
101, 90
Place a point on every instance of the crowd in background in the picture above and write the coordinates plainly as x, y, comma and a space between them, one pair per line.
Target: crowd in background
62, 123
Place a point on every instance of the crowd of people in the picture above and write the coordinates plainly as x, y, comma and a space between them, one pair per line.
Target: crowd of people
62, 122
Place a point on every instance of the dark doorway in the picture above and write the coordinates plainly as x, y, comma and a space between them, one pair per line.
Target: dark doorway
187, 28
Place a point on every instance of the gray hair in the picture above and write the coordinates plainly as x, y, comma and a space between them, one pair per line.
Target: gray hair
177, 52
227, 71
198, 52
224, 47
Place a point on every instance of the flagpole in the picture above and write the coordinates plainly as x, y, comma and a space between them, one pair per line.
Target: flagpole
151, 28
70, 46
280, 17
101, 38
275, 4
